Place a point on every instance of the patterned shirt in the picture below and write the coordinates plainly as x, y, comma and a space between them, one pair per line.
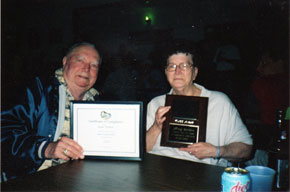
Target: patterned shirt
89, 96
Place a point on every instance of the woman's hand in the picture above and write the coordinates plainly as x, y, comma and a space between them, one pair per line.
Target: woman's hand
201, 150
159, 116
155, 130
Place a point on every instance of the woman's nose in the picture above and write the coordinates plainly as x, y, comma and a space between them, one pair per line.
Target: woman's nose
177, 69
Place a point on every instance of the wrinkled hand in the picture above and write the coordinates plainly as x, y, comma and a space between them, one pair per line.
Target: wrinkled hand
201, 150
56, 149
159, 116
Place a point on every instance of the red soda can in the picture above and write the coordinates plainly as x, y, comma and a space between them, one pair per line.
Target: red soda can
235, 179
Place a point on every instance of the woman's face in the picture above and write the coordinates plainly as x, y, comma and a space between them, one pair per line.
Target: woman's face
184, 74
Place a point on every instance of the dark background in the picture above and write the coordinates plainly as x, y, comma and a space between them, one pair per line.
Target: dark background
36, 33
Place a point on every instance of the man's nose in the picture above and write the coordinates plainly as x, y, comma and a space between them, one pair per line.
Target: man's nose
259, 67
86, 66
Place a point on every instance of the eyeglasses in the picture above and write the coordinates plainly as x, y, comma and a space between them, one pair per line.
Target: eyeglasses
182, 66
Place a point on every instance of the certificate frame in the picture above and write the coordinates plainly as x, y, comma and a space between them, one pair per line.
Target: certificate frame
108, 129
180, 128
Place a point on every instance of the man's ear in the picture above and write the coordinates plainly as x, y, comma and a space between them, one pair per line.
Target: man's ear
64, 61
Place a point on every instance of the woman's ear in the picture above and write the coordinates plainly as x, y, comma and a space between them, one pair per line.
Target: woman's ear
194, 73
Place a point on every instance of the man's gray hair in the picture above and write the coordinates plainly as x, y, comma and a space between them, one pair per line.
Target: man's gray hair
81, 44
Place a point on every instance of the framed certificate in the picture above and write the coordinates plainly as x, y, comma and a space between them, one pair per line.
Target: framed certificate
185, 122
108, 130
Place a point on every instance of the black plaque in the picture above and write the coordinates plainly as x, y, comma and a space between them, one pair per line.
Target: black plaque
185, 122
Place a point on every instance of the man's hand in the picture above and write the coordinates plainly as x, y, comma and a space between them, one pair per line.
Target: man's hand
65, 148
201, 150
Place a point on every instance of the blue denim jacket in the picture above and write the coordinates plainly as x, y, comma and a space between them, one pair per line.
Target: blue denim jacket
26, 127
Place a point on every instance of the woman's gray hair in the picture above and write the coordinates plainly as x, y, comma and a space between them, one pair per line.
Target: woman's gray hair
188, 54
81, 44
177, 47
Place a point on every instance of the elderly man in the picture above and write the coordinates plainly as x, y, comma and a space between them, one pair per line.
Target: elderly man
35, 133
227, 138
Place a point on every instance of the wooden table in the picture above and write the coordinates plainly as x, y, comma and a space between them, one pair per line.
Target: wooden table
154, 173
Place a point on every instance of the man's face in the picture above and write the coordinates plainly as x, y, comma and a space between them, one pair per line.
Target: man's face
180, 79
268, 66
80, 68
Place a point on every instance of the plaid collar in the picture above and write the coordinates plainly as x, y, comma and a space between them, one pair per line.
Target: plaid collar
89, 95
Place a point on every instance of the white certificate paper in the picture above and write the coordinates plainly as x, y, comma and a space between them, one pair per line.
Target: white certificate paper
111, 130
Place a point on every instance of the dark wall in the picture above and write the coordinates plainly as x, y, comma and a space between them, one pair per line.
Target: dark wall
36, 33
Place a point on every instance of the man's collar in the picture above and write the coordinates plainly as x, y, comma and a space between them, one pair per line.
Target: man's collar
89, 94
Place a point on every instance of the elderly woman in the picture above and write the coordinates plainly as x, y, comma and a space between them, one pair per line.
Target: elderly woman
227, 138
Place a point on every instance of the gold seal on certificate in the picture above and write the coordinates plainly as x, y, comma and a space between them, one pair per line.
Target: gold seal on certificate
185, 122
